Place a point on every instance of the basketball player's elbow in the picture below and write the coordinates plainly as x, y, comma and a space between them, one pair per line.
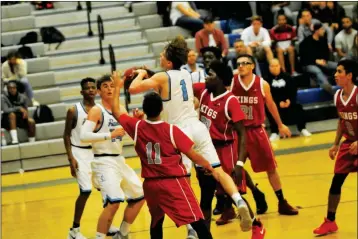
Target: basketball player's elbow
134, 89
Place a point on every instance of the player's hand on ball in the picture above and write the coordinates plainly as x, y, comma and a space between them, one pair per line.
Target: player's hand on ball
73, 167
353, 149
118, 132
142, 72
284, 131
138, 114
333, 151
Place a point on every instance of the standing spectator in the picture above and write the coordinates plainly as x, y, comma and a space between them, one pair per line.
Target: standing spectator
277, 6
15, 68
305, 29
192, 66
14, 106
314, 54
210, 36
258, 40
345, 38
283, 36
284, 94
183, 15
241, 49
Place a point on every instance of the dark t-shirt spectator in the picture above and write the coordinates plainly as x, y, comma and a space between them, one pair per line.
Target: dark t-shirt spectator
11, 104
283, 87
311, 50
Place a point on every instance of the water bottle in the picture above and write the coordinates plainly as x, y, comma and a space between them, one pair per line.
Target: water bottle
3, 139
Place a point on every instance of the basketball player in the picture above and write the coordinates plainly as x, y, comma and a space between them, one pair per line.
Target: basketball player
211, 54
253, 92
115, 179
159, 145
346, 101
220, 112
176, 90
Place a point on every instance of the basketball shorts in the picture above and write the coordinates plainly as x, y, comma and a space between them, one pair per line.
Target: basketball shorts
346, 162
116, 180
84, 158
259, 151
173, 197
200, 135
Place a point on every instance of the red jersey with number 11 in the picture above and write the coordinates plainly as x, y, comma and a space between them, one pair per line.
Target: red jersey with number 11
251, 98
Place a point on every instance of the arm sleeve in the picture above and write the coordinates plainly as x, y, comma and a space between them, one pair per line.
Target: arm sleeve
182, 141
198, 41
300, 34
235, 111
267, 39
129, 124
7, 107
329, 34
88, 136
338, 42
22, 69
245, 37
198, 89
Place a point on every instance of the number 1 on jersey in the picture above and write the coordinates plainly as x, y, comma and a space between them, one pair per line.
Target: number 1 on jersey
157, 159
184, 90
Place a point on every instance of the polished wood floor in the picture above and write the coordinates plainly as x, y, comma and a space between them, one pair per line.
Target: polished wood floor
40, 204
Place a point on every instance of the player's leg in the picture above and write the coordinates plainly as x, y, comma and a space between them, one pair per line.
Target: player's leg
258, 229
260, 200
201, 229
156, 229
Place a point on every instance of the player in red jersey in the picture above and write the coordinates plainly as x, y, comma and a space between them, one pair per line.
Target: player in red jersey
253, 92
346, 101
159, 146
220, 112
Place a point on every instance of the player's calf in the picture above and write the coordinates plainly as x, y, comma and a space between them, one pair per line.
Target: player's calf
201, 229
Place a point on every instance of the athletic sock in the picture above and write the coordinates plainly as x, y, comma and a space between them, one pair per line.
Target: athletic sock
75, 225
331, 216
256, 223
236, 197
279, 195
100, 235
124, 229
13, 134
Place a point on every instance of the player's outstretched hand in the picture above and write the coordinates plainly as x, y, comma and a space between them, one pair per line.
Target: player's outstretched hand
284, 131
333, 151
138, 114
118, 132
353, 149
116, 77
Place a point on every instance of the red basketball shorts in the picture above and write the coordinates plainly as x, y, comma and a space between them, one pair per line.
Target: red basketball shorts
346, 162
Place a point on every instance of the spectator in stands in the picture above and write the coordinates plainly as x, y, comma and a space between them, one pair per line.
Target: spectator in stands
314, 54
15, 68
211, 36
241, 49
283, 36
355, 16
183, 15
258, 40
284, 93
283, 6
192, 65
14, 106
332, 14
354, 54
305, 29
345, 38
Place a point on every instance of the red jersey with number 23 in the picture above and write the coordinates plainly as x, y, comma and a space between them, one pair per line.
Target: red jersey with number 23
218, 113
251, 98
159, 146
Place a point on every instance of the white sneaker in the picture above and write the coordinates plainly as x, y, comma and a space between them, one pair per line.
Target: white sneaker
274, 137
244, 215
75, 233
192, 234
306, 133
120, 236
112, 231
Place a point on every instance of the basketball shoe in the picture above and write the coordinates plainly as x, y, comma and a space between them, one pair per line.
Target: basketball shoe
244, 216
75, 233
326, 227
286, 209
112, 231
226, 216
258, 232
120, 236
260, 200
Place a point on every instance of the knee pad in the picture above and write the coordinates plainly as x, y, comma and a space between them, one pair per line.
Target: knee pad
337, 182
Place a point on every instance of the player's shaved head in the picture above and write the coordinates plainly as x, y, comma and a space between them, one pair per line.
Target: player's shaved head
152, 105
222, 71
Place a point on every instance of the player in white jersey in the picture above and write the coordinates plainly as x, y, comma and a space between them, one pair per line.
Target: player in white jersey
80, 154
175, 88
115, 179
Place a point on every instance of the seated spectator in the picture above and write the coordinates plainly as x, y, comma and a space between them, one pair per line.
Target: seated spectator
192, 66
354, 54
284, 94
241, 49
355, 16
283, 36
14, 106
258, 40
305, 29
211, 36
182, 15
277, 6
332, 14
314, 54
345, 38
15, 68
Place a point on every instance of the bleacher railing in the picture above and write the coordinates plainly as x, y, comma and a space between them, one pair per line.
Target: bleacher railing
112, 58
100, 37
89, 10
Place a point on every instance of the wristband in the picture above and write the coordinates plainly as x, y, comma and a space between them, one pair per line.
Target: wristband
240, 163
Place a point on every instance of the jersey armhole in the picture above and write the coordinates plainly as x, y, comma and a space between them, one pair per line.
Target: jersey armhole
227, 107
232, 83
136, 132
102, 121
75, 118
169, 87
335, 97
172, 135
202, 95
262, 87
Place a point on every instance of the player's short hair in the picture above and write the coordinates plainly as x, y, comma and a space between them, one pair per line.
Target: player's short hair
86, 80
252, 59
12, 82
281, 14
350, 66
223, 71
239, 41
208, 20
256, 18
12, 54
215, 50
350, 19
152, 104
103, 79
177, 52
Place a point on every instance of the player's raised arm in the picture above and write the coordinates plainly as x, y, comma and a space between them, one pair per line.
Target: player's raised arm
155, 82
271, 105
117, 110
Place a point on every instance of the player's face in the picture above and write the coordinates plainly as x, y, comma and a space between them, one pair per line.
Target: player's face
245, 66
208, 57
192, 57
341, 77
211, 81
89, 90
106, 91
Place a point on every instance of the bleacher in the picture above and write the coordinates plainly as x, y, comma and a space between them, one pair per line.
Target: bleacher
137, 38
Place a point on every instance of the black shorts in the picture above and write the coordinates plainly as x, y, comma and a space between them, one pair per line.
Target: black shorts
20, 122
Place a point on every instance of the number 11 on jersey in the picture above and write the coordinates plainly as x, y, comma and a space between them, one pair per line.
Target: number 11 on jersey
184, 90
